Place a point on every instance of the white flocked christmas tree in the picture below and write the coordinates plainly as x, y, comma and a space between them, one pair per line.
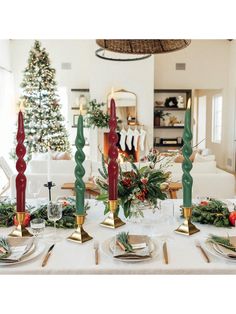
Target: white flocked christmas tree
43, 121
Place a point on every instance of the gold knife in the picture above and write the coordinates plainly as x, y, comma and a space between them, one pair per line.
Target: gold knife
165, 253
49, 252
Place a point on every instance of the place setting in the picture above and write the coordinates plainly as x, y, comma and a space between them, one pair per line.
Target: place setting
130, 248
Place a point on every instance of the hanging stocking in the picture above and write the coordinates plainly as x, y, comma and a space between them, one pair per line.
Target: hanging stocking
130, 134
136, 137
142, 139
123, 135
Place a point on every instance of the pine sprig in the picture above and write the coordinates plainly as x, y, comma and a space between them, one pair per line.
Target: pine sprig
223, 241
4, 248
123, 238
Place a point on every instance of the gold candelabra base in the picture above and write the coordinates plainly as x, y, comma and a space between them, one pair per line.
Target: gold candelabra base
187, 228
20, 231
79, 235
112, 220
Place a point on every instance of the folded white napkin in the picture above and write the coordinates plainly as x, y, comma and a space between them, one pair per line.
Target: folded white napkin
224, 251
18, 248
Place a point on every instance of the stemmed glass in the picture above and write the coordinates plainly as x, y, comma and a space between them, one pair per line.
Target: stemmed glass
54, 212
34, 187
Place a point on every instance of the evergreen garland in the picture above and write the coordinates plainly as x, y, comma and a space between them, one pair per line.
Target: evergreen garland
212, 212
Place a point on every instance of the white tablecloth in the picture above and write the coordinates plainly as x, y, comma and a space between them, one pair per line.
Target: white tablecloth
73, 258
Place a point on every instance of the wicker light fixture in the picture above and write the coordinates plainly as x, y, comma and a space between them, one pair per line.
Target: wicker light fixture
142, 48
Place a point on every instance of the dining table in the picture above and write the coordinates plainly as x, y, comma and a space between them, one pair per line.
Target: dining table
184, 257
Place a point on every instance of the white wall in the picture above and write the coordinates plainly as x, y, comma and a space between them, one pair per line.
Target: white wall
136, 76
207, 66
5, 61
210, 64
230, 112
7, 108
76, 52
88, 71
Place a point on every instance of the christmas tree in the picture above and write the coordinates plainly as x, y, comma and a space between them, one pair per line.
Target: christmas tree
44, 126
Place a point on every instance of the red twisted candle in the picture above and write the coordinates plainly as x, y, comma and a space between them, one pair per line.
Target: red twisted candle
113, 154
20, 165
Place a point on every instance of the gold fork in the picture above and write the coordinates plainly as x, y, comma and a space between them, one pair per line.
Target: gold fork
96, 247
198, 245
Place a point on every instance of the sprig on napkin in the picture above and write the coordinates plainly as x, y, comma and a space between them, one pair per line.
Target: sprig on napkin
123, 242
223, 241
4, 248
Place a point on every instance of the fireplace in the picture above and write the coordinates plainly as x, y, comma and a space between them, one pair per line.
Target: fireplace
128, 153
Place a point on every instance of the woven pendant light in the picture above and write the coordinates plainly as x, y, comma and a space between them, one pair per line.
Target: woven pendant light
144, 47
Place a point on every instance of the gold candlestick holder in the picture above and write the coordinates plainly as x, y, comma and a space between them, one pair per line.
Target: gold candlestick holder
79, 235
20, 231
187, 228
112, 220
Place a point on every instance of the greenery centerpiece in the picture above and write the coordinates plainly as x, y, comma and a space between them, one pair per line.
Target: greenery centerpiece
137, 187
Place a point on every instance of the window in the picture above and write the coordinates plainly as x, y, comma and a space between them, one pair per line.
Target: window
201, 130
217, 102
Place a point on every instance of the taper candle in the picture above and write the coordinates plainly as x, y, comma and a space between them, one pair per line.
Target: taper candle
79, 169
113, 154
187, 180
20, 165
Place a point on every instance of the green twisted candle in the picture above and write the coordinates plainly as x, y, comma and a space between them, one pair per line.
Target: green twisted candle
79, 169
187, 180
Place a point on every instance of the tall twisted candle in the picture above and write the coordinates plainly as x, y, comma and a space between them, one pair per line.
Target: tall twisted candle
79, 169
20, 165
113, 154
187, 180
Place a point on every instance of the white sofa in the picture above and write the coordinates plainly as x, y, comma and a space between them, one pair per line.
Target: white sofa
62, 171
208, 180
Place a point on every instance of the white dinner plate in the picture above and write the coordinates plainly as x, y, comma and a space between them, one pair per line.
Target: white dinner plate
210, 248
33, 253
108, 247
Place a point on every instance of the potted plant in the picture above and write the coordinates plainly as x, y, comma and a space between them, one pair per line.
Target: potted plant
159, 115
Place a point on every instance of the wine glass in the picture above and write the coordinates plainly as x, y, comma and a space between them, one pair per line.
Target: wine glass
167, 211
54, 212
34, 187
37, 226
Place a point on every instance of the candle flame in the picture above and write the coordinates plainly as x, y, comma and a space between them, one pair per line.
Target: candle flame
189, 104
81, 109
21, 106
